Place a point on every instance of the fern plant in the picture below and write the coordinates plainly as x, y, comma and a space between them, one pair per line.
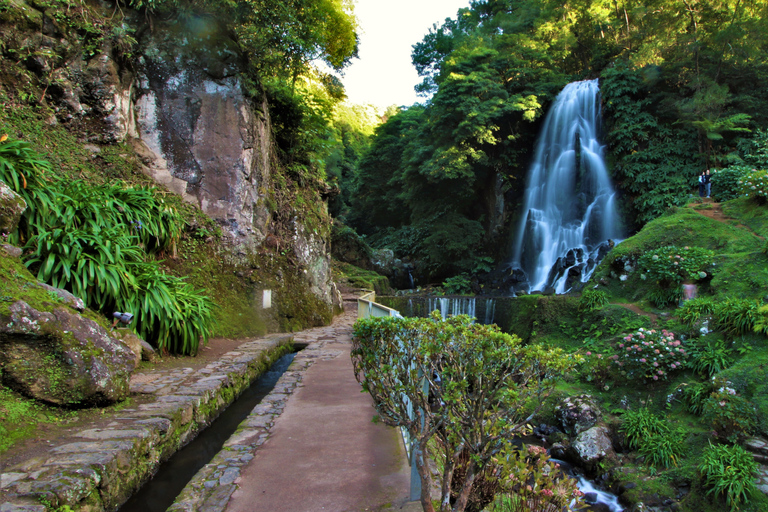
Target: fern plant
729, 472
639, 424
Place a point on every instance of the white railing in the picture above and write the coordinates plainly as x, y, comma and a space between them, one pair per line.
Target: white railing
367, 307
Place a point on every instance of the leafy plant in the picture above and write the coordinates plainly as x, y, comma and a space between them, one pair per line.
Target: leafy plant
458, 285
671, 265
469, 386
735, 316
755, 184
692, 311
640, 424
731, 416
530, 480
24, 171
694, 396
708, 358
729, 473
725, 182
663, 448
592, 299
649, 354
761, 322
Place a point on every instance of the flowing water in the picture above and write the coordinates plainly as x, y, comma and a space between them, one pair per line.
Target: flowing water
158, 494
570, 215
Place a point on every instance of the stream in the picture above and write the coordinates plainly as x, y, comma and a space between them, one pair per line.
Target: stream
159, 493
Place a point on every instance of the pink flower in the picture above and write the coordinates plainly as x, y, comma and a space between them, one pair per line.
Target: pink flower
621, 345
599, 356
642, 360
589, 353
655, 377
642, 336
657, 351
655, 364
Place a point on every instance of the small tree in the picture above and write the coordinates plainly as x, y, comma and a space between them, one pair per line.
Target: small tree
469, 387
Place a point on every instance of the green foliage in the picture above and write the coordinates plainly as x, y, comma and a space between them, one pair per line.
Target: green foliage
24, 171
484, 381
755, 185
729, 473
731, 416
649, 354
725, 182
458, 285
735, 316
708, 358
640, 424
169, 311
91, 240
592, 299
530, 480
672, 265
663, 449
761, 322
694, 395
695, 310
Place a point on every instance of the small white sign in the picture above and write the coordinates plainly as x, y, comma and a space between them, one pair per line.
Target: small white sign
267, 299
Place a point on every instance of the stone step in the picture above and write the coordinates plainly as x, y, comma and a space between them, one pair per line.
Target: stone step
757, 445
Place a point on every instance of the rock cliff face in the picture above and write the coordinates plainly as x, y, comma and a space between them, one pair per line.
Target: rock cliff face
181, 105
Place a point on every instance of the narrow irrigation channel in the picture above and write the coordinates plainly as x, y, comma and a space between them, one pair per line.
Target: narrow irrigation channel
173, 475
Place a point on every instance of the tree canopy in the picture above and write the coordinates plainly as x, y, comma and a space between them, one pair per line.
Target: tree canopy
682, 81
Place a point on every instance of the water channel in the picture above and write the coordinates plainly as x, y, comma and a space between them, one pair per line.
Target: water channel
159, 493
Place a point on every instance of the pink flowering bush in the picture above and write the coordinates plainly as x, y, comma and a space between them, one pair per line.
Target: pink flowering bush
530, 480
649, 354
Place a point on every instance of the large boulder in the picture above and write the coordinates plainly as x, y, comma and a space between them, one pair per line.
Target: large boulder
61, 357
592, 446
12, 205
578, 414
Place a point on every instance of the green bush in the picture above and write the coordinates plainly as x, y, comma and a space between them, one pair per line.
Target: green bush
592, 299
671, 265
694, 310
92, 241
735, 316
755, 184
731, 416
725, 182
663, 449
649, 354
708, 358
694, 396
458, 285
729, 473
638, 425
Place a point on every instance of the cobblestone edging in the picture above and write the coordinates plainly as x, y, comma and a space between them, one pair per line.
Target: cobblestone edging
108, 465
759, 448
211, 488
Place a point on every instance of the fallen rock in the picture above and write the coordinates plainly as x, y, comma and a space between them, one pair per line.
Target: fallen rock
592, 446
12, 206
578, 414
62, 358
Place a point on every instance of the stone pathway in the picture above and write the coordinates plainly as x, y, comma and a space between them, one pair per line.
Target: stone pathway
310, 445
106, 465
759, 448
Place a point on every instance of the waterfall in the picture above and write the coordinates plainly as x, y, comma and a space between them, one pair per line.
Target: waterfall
569, 216
452, 306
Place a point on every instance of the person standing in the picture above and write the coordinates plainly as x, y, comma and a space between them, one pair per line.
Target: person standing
702, 184
708, 182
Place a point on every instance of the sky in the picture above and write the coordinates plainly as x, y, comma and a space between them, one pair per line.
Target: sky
384, 75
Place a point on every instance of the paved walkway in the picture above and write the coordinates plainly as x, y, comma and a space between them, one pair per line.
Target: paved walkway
324, 452
309, 446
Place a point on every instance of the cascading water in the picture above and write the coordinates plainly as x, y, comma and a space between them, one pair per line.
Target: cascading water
570, 219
